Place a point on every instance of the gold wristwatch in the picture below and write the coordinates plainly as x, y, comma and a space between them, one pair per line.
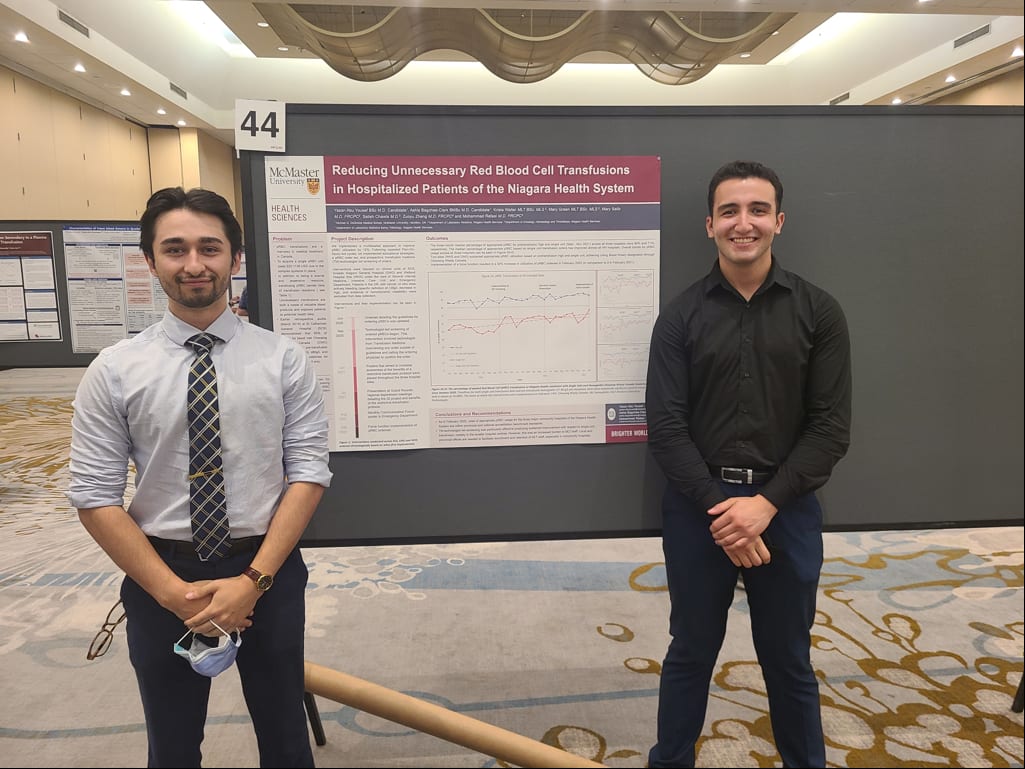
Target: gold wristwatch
263, 581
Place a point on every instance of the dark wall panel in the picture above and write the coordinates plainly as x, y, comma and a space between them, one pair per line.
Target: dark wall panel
911, 217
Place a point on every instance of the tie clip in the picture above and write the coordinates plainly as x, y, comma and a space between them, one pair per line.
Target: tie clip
204, 474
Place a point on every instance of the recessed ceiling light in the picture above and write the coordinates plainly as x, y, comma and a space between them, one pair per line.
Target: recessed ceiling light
161, 111
262, 24
125, 92
21, 37
745, 55
951, 79
282, 47
79, 68
181, 122
1017, 52
896, 100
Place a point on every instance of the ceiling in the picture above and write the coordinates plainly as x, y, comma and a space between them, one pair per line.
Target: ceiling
868, 52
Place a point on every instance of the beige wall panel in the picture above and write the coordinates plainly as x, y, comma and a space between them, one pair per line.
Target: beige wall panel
237, 186
98, 164
72, 178
37, 168
131, 169
66, 159
216, 167
12, 201
189, 139
165, 158
1008, 90
140, 163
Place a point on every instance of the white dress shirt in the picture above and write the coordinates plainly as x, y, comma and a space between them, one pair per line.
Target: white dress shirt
131, 406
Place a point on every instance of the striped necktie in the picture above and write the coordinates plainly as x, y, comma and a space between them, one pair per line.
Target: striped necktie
206, 479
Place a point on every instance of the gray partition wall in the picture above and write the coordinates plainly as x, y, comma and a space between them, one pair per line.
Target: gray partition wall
912, 217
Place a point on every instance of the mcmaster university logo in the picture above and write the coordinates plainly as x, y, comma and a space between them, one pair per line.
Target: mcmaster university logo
293, 178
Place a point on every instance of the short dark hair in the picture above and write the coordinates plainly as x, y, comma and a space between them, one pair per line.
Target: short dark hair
744, 169
196, 199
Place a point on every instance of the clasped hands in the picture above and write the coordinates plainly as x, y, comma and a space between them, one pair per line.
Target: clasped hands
738, 526
228, 602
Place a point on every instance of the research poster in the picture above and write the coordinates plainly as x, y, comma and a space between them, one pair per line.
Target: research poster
111, 293
28, 288
469, 301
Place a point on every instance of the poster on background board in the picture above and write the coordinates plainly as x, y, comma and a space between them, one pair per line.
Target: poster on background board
111, 293
28, 288
469, 300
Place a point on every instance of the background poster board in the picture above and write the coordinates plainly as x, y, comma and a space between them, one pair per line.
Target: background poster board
108, 295
890, 210
902, 214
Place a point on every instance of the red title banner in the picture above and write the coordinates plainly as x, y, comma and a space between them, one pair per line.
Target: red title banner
490, 179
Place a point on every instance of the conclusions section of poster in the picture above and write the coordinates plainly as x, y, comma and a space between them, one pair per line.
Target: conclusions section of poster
469, 301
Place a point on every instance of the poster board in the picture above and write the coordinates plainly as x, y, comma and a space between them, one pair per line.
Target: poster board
900, 214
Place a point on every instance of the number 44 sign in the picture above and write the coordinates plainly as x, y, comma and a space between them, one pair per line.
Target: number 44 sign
259, 125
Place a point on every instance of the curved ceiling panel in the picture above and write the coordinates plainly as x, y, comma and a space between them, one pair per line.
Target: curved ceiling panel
371, 43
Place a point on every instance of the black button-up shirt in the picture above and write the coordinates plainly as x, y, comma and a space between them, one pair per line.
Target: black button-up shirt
762, 384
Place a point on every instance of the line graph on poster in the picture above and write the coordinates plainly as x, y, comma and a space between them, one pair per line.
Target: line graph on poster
511, 327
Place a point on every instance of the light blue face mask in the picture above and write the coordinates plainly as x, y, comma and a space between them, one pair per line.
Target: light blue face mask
210, 660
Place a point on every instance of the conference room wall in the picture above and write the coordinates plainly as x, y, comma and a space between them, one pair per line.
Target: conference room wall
191, 158
1007, 90
65, 159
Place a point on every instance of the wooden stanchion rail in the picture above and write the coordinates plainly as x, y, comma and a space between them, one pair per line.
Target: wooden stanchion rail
437, 721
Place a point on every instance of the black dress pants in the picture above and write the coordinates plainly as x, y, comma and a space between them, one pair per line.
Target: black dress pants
270, 663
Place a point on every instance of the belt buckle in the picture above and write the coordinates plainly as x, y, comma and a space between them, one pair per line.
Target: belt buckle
742, 471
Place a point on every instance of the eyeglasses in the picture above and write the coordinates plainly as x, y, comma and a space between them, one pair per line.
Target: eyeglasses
101, 642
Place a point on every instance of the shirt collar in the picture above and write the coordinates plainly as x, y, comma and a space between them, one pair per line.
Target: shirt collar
776, 275
178, 331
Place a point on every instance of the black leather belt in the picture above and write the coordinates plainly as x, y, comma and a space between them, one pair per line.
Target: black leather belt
176, 548
740, 474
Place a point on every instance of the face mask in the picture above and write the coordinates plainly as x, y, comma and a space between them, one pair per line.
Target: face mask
210, 660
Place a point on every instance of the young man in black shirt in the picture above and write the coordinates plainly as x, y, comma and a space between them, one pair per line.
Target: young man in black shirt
749, 406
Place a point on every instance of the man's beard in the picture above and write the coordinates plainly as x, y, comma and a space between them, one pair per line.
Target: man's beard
197, 300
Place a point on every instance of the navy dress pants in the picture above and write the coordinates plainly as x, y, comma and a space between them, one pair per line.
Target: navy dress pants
270, 662
781, 595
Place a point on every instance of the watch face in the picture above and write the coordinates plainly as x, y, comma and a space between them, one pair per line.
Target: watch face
263, 581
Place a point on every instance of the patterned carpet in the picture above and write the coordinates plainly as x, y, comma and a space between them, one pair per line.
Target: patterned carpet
918, 640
